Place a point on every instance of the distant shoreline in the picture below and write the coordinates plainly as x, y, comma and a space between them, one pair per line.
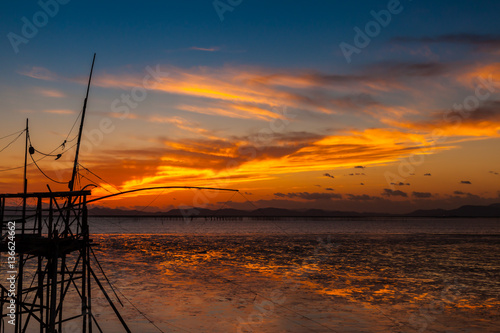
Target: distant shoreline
467, 211
228, 217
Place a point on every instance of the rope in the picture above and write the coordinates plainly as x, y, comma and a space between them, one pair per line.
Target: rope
96, 185
52, 155
44, 154
99, 178
31, 156
149, 204
12, 134
71, 130
225, 203
55, 181
22, 166
105, 276
113, 288
17, 137
146, 317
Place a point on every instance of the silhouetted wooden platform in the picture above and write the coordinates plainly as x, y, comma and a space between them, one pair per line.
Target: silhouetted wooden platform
42, 246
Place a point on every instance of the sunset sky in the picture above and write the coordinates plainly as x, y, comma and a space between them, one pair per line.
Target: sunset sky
362, 105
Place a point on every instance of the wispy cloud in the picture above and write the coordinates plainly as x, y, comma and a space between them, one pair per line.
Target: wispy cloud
484, 121
207, 49
50, 93
400, 184
361, 197
183, 124
466, 195
60, 112
252, 91
394, 193
40, 73
482, 41
422, 195
233, 110
309, 196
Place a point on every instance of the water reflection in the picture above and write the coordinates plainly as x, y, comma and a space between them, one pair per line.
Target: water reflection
321, 276
205, 283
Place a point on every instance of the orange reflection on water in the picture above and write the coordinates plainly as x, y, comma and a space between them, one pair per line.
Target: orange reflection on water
207, 282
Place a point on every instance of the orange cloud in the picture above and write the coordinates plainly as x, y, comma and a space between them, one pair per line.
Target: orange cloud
483, 121
485, 129
254, 92
40, 73
470, 77
227, 162
182, 124
233, 110
51, 93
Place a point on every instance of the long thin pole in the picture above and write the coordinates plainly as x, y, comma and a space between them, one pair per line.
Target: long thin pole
19, 318
73, 175
71, 186
124, 324
25, 181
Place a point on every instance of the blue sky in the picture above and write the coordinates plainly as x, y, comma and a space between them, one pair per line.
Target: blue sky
280, 33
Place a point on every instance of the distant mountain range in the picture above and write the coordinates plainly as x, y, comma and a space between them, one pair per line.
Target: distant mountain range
492, 210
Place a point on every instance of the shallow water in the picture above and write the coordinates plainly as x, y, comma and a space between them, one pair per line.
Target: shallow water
299, 276
287, 226
204, 281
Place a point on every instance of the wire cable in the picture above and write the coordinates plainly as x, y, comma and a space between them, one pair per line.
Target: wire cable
74, 138
105, 276
99, 178
71, 130
22, 166
4, 137
55, 181
96, 185
113, 288
12, 141
45, 155
149, 204
52, 155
